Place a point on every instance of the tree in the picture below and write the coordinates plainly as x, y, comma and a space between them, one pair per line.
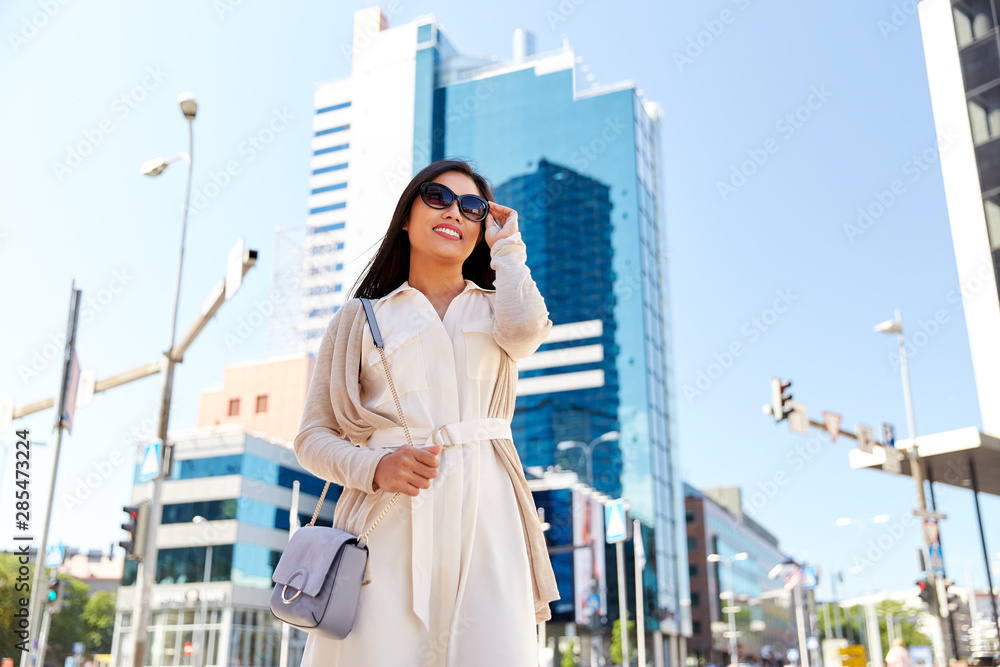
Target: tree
569, 658
853, 623
10, 580
616, 641
99, 615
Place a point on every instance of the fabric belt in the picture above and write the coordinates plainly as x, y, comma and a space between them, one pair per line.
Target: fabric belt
448, 436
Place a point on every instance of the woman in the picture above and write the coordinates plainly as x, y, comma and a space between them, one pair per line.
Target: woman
458, 572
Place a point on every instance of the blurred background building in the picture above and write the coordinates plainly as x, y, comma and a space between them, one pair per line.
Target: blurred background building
716, 524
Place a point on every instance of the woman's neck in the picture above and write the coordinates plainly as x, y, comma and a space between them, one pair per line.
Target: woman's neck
435, 280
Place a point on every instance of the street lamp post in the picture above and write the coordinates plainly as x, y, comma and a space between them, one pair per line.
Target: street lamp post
871, 617
895, 326
588, 450
206, 579
147, 567
734, 658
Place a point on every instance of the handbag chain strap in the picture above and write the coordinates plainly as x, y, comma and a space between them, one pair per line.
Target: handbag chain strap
402, 420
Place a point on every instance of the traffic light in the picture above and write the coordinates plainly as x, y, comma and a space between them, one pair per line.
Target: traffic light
135, 526
55, 596
926, 592
781, 398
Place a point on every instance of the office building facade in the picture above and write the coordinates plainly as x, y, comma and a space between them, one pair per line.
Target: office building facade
963, 74
581, 166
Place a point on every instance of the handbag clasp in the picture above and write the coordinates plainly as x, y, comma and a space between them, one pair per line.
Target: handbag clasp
289, 600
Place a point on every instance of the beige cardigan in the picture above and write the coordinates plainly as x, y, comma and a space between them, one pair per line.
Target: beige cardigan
334, 410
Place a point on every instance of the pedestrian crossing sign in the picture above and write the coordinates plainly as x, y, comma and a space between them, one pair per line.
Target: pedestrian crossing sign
615, 525
149, 469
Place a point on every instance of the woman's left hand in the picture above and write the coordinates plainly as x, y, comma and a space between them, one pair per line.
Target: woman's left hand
507, 218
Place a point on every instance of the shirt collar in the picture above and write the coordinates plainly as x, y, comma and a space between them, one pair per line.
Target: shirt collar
469, 285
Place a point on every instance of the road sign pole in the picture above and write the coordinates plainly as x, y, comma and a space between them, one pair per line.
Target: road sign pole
622, 601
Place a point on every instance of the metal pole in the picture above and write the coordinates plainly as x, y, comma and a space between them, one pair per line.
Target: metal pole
204, 604
917, 471
836, 606
871, 616
43, 635
144, 583
800, 621
640, 613
982, 540
36, 592
951, 617
827, 627
622, 601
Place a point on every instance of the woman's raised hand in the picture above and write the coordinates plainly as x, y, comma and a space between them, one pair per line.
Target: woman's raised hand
407, 470
507, 218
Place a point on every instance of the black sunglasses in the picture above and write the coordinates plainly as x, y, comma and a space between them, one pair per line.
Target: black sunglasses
435, 195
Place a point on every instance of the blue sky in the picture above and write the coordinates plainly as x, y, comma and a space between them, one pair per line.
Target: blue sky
831, 105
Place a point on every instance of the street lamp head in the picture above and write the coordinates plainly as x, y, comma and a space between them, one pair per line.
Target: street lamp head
743, 555
714, 558
881, 518
567, 444
610, 436
153, 167
198, 519
844, 522
888, 327
189, 105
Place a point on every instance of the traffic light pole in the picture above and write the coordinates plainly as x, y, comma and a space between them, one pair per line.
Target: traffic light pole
40, 554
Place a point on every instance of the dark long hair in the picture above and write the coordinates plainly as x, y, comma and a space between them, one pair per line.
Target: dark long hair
390, 267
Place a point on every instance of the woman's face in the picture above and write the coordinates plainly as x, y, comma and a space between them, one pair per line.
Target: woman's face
427, 226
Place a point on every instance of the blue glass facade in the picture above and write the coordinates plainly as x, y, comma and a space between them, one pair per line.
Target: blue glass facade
581, 170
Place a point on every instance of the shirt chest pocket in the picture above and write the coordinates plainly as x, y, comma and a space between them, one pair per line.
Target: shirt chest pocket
406, 365
482, 354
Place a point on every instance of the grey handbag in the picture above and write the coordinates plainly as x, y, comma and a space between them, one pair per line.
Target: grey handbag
318, 579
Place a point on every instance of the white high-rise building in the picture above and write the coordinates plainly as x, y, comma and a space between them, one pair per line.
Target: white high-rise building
963, 72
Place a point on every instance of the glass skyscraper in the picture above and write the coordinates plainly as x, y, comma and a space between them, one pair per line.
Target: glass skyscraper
581, 167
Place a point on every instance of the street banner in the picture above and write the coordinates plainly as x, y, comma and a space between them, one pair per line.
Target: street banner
589, 572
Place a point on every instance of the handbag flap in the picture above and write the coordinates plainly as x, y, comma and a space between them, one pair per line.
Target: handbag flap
308, 557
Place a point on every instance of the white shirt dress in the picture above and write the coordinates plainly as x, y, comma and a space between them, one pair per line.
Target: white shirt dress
459, 592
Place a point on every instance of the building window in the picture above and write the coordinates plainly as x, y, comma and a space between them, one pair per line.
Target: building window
695, 600
696, 627
692, 543
234, 407
262, 403
689, 516
692, 570
425, 33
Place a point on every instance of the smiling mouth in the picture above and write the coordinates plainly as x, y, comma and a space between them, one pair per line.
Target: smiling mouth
448, 232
